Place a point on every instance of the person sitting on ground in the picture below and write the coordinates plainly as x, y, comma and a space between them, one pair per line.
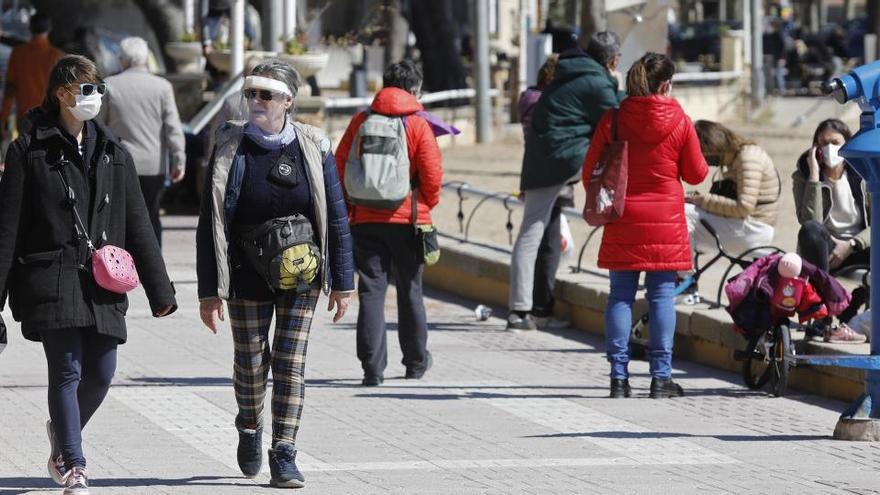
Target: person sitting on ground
742, 206
832, 206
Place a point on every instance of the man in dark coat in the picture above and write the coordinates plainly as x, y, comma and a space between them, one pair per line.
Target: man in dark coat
584, 88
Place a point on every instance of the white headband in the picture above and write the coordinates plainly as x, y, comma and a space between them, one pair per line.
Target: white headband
257, 82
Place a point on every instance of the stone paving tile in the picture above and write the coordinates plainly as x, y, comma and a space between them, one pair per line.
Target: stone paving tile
500, 412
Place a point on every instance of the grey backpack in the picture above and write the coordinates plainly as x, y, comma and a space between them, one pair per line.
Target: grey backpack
377, 171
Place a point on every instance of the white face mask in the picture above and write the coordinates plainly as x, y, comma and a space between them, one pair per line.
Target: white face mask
87, 107
830, 156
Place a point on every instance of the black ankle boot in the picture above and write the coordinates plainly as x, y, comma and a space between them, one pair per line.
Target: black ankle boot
663, 388
620, 388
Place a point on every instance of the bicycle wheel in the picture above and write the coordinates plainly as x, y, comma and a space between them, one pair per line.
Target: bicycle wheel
755, 368
779, 365
638, 341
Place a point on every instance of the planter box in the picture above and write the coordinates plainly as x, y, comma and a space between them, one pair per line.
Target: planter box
187, 55
307, 64
222, 59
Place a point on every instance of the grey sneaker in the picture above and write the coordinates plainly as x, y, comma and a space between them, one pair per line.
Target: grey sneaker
517, 322
76, 482
55, 466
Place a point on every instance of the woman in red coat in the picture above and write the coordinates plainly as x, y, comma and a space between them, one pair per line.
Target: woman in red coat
652, 234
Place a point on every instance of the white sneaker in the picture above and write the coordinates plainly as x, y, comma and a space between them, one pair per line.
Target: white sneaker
76, 482
55, 465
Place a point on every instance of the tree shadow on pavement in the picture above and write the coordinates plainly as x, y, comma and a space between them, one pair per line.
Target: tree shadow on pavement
655, 435
13, 486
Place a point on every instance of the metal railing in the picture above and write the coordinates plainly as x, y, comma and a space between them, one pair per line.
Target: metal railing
707, 76
510, 202
231, 87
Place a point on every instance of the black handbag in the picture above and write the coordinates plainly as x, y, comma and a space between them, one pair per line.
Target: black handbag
724, 187
727, 188
282, 251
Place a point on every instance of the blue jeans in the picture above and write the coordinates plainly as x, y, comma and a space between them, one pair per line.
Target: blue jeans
618, 321
81, 366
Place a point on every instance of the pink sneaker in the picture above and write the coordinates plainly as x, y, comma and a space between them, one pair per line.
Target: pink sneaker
55, 466
843, 335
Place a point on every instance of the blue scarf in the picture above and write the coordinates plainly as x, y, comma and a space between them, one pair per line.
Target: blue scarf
271, 141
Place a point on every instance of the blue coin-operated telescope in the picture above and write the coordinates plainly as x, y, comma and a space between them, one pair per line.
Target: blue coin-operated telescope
862, 420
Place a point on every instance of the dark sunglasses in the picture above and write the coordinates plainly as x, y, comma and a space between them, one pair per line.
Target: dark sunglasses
87, 89
264, 94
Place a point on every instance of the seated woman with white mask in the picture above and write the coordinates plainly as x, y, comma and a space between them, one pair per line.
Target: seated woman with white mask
832, 206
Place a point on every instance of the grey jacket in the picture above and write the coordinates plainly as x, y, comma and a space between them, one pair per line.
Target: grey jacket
139, 108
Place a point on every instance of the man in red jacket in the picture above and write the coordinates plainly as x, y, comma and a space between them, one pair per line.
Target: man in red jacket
385, 238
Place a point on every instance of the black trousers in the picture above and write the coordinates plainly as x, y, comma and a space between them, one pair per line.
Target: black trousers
380, 252
815, 245
81, 365
152, 187
549, 254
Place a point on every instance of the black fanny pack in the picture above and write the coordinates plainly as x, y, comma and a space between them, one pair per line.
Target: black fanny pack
282, 250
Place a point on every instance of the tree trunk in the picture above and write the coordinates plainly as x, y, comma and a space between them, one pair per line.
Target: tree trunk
435, 37
593, 19
395, 45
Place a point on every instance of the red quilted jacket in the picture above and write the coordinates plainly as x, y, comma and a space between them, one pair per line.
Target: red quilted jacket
663, 149
424, 157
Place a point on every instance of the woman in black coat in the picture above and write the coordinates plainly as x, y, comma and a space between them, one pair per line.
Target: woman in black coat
45, 263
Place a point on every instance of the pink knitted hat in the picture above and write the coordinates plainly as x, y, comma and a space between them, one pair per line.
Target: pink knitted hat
789, 265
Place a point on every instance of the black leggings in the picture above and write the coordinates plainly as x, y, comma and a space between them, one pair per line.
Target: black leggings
81, 366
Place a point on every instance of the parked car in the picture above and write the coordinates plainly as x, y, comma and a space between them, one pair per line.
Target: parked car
693, 41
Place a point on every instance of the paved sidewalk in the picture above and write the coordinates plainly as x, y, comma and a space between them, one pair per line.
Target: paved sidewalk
499, 413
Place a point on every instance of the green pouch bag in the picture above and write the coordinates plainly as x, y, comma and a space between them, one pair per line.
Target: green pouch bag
429, 244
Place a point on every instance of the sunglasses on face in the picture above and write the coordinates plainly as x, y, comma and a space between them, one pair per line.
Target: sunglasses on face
264, 94
87, 89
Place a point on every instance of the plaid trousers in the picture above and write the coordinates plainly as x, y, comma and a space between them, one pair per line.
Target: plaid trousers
287, 357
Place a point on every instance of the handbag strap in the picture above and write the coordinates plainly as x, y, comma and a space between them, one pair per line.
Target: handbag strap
614, 124
79, 227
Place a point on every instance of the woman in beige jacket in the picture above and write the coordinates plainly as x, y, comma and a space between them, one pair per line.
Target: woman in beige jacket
744, 198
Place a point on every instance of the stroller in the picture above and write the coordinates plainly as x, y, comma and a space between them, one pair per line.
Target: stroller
761, 300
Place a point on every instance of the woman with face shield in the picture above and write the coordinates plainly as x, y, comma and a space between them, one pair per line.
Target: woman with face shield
65, 172
742, 203
273, 233
832, 206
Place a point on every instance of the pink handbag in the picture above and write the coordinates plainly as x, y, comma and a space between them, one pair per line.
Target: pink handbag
113, 269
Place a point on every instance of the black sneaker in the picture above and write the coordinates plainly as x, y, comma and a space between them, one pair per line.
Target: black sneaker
416, 375
250, 448
620, 388
664, 388
372, 380
282, 466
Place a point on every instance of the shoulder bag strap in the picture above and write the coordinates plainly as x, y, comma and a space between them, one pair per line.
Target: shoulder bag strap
79, 227
614, 136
